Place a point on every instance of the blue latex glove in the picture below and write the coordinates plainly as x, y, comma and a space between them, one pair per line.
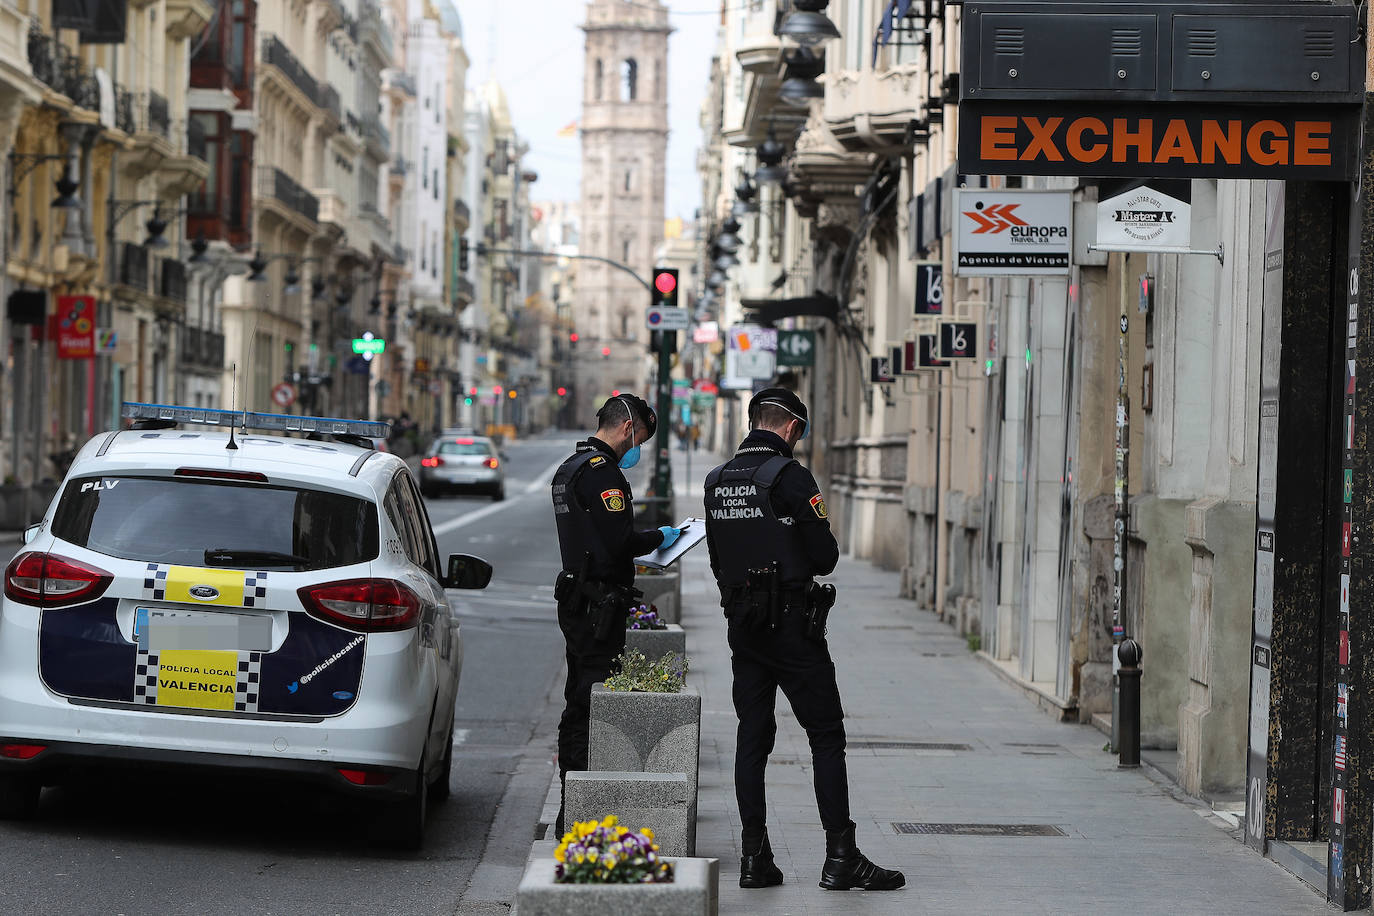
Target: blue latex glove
670, 535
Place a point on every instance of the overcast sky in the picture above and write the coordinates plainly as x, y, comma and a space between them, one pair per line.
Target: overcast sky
535, 50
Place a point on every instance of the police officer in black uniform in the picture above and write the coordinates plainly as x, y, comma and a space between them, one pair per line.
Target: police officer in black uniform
598, 543
768, 536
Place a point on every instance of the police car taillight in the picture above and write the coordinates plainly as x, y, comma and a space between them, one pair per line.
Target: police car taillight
368, 605
216, 474
48, 580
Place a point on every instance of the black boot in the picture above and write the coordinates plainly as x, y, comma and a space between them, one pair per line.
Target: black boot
846, 867
756, 867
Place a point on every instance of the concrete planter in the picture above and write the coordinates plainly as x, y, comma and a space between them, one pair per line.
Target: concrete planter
663, 588
654, 800
648, 733
657, 643
694, 891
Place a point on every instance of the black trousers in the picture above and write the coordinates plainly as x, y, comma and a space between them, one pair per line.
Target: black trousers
590, 661
764, 661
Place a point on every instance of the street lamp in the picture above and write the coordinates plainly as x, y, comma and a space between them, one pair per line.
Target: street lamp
729, 240
807, 25
156, 225
770, 154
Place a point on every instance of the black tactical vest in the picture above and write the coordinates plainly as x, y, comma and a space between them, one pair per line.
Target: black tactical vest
577, 536
745, 531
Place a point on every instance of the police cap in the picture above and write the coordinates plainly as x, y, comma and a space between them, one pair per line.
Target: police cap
643, 412
778, 397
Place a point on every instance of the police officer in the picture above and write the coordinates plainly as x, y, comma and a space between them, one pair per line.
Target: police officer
768, 536
598, 543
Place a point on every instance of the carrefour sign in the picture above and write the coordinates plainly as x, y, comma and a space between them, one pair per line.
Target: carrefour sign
1012, 233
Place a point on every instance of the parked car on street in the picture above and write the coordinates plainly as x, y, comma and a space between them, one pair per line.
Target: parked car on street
462, 464
235, 601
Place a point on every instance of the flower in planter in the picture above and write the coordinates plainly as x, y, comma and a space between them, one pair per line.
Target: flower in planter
666, 675
607, 853
644, 617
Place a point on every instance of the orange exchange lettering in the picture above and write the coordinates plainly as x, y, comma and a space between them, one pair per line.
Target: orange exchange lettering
1011, 138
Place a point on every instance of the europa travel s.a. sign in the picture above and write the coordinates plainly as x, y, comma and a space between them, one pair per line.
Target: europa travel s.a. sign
1012, 232
1312, 142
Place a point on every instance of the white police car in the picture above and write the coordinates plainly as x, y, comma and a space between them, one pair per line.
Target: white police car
237, 601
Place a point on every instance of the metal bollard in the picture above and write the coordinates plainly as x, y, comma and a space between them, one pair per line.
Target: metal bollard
1128, 678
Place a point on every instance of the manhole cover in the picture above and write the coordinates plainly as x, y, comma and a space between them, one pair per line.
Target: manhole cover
980, 829
907, 746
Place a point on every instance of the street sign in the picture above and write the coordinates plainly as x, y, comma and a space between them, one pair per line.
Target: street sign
796, 348
106, 340
436, 387
661, 318
284, 394
959, 340
930, 288
928, 353
369, 346
880, 370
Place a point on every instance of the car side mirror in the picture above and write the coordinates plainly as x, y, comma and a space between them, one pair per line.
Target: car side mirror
31, 532
467, 571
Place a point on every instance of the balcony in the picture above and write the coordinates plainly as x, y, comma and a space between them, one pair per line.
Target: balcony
400, 81
124, 110
201, 349
464, 293
152, 114
871, 110
275, 53
372, 30
61, 70
275, 185
172, 281
377, 136
196, 144
133, 266
187, 18
330, 103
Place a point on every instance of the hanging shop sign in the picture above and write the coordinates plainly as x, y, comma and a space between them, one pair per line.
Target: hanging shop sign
797, 348
958, 340
930, 288
1144, 219
880, 370
74, 327
1012, 233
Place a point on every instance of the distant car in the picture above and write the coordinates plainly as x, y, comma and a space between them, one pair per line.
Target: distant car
455, 464
259, 604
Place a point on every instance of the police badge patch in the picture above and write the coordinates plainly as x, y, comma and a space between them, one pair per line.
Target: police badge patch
818, 505
614, 500
597, 460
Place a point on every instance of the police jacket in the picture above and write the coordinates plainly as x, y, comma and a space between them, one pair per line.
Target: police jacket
591, 505
763, 507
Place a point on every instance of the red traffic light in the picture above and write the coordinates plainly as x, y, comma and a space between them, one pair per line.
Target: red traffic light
472, 392
495, 389
605, 351
572, 338
616, 393
665, 282
562, 392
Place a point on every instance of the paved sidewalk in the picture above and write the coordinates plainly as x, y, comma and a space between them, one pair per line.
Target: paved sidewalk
1127, 843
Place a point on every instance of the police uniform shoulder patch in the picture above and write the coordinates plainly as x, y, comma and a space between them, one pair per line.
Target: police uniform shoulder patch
614, 500
818, 505
597, 461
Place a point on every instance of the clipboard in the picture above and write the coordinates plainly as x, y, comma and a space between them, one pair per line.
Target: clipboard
662, 559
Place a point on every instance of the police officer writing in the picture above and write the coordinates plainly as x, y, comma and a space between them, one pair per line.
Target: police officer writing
768, 536
598, 543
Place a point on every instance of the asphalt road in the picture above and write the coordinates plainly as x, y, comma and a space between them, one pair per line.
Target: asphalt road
158, 844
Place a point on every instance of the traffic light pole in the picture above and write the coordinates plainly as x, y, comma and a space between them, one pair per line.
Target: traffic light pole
663, 466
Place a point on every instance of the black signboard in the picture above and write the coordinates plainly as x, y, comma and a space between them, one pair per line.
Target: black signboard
959, 340
930, 288
928, 353
1312, 142
880, 370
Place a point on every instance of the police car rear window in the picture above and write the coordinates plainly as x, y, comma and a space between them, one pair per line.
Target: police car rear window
164, 520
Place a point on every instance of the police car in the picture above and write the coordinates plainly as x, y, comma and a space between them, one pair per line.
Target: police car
236, 600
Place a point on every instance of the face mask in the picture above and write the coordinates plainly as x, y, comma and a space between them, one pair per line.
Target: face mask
806, 424
631, 457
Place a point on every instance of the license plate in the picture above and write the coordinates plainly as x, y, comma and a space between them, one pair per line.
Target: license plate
159, 629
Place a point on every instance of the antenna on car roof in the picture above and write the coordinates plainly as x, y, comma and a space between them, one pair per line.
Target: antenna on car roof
233, 401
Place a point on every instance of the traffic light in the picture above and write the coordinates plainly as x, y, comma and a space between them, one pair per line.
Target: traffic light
665, 287
606, 352
462, 254
572, 339
512, 394
495, 389
562, 392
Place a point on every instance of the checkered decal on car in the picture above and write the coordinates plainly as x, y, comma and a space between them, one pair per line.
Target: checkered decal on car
249, 679
145, 677
254, 589
155, 582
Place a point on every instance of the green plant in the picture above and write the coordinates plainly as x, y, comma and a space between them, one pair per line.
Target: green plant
975, 642
665, 675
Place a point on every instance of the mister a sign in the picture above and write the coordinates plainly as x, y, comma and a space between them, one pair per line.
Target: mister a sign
1143, 219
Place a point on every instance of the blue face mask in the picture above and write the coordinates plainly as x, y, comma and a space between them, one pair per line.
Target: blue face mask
631, 457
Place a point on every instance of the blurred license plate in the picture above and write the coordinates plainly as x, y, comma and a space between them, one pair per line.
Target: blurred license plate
161, 629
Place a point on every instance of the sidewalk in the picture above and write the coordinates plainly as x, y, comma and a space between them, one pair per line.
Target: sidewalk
936, 738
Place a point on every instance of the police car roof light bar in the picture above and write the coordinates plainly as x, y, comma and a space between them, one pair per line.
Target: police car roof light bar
246, 419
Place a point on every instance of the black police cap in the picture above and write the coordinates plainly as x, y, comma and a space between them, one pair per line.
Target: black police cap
641, 409
785, 398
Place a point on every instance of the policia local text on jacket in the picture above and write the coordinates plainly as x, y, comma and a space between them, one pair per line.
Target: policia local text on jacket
768, 535
598, 544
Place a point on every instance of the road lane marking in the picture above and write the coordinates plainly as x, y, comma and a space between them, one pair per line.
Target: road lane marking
541, 481
545, 478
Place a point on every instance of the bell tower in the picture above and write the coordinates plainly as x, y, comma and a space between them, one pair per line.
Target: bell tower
624, 151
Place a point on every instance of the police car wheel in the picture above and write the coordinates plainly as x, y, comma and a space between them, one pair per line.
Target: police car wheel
402, 823
19, 797
440, 789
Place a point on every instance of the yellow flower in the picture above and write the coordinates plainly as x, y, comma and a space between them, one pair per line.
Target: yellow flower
610, 861
610, 821
648, 832
561, 854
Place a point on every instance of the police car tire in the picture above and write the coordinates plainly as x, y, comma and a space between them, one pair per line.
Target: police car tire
18, 797
402, 824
